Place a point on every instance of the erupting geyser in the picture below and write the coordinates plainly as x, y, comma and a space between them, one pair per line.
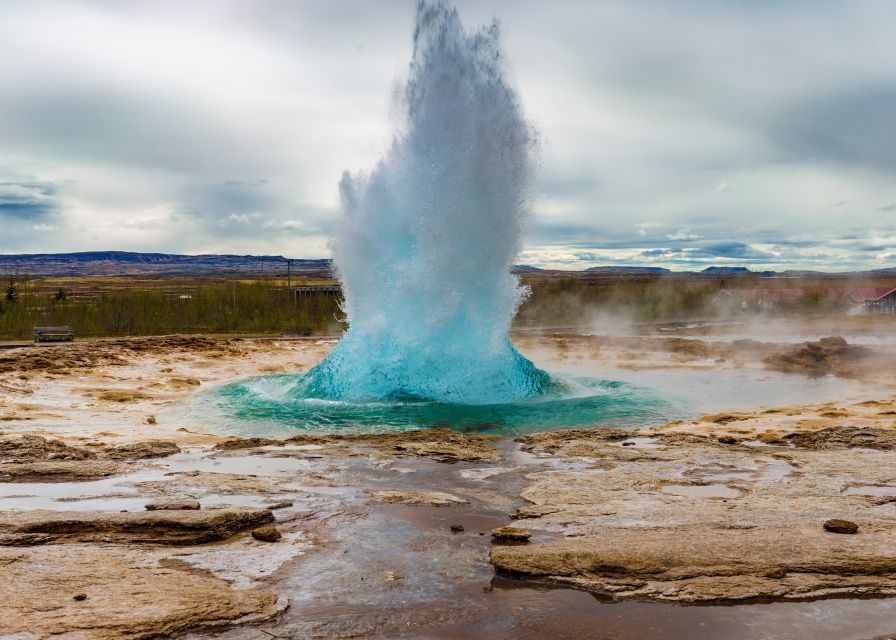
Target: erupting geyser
424, 251
428, 237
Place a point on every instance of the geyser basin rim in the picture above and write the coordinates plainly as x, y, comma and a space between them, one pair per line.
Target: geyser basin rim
297, 387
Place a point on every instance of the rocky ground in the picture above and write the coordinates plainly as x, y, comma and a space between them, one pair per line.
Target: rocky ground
116, 524
709, 517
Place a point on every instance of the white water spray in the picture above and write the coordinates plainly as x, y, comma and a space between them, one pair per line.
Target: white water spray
428, 237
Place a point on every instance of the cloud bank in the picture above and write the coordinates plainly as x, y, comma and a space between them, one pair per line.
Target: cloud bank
674, 134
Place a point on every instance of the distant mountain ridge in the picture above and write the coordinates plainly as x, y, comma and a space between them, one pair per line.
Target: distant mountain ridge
624, 269
93, 263
133, 263
725, 271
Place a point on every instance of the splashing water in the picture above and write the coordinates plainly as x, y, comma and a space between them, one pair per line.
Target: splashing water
427, 240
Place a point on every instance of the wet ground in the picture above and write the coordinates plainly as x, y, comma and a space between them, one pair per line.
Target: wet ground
354, 568
368, 549
398, 571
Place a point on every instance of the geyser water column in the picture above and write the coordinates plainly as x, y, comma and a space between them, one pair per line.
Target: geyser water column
428, 237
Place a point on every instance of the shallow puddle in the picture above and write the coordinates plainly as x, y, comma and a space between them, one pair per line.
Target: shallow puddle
399, 572
701, 491
694, 392
533, 613
766, 469
123, 493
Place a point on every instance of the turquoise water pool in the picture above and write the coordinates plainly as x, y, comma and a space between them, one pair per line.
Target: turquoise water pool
278, 405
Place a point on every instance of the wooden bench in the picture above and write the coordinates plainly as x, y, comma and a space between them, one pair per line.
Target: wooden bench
53, 334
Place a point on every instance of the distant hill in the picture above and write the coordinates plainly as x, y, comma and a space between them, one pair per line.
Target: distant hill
630, 270
131, 263
123, 263
725, 271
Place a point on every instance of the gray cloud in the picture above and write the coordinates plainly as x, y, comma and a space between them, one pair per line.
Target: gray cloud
672, 133
737, 250
27, 200
853, 127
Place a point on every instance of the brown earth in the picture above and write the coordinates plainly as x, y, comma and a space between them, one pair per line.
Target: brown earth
89, 354
177, 484
657, 351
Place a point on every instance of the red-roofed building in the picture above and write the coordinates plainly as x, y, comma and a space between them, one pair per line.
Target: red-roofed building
869, 294
875, 299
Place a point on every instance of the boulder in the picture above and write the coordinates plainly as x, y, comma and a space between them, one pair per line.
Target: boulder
837, 525
267, 533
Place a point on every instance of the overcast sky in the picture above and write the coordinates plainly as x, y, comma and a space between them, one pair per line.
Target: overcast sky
675, 134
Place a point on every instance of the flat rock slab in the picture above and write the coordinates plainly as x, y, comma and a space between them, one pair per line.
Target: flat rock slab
704, 564
23, 528
60, 470
120, 594
441, 445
